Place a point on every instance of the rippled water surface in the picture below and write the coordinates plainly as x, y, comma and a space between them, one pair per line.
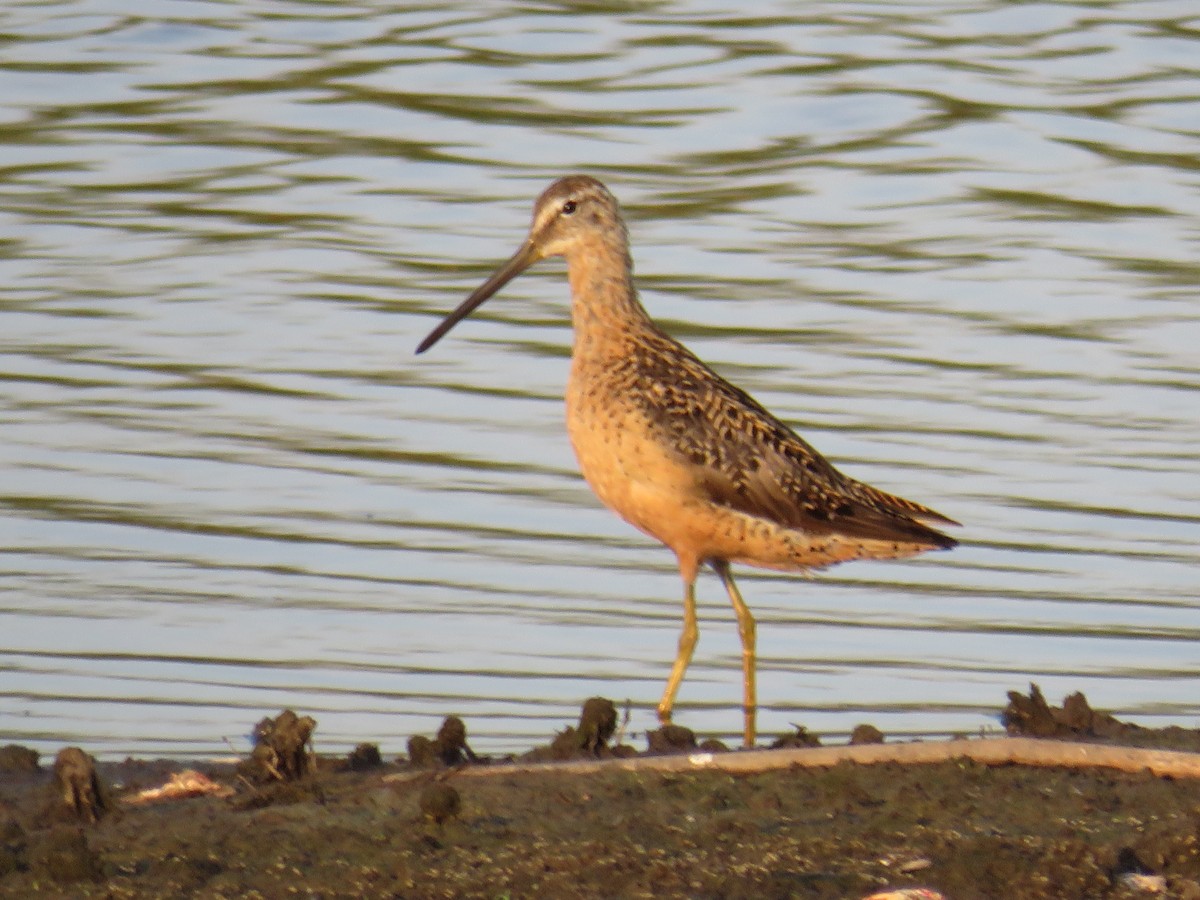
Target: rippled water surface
954, 245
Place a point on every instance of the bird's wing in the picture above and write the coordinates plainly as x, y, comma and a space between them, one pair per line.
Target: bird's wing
745, 458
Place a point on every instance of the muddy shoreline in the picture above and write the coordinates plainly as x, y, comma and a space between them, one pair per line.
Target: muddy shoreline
286, 821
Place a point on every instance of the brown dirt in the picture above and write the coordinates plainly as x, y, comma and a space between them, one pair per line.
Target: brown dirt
356, 828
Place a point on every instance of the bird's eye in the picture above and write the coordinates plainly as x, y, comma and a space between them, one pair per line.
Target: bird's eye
569, 207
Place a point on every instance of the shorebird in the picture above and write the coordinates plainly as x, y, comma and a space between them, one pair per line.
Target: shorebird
680, 453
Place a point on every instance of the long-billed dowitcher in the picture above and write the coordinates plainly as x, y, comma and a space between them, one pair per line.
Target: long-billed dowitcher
680, 453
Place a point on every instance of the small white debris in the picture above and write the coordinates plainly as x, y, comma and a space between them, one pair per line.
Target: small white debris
1151, 884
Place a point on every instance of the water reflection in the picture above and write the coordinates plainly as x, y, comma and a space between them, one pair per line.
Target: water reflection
952, 246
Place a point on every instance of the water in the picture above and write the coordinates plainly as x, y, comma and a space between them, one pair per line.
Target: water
954, 245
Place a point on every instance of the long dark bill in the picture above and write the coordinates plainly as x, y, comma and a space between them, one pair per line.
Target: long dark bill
522, 260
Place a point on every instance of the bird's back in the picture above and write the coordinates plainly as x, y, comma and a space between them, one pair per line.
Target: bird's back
698, 463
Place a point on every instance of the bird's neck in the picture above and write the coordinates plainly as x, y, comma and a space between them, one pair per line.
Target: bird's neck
605, 308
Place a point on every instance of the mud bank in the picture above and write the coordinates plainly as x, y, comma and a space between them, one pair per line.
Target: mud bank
288, 822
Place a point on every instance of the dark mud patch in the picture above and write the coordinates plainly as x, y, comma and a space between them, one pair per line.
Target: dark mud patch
448, 748
1031, 715
440, 802
590, 739
283, 749
965, 829
79, 785
15, 758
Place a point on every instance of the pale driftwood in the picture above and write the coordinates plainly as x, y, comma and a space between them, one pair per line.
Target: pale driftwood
988, 751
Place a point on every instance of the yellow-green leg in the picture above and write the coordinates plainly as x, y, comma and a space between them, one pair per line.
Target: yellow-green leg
687, 642
746, 629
